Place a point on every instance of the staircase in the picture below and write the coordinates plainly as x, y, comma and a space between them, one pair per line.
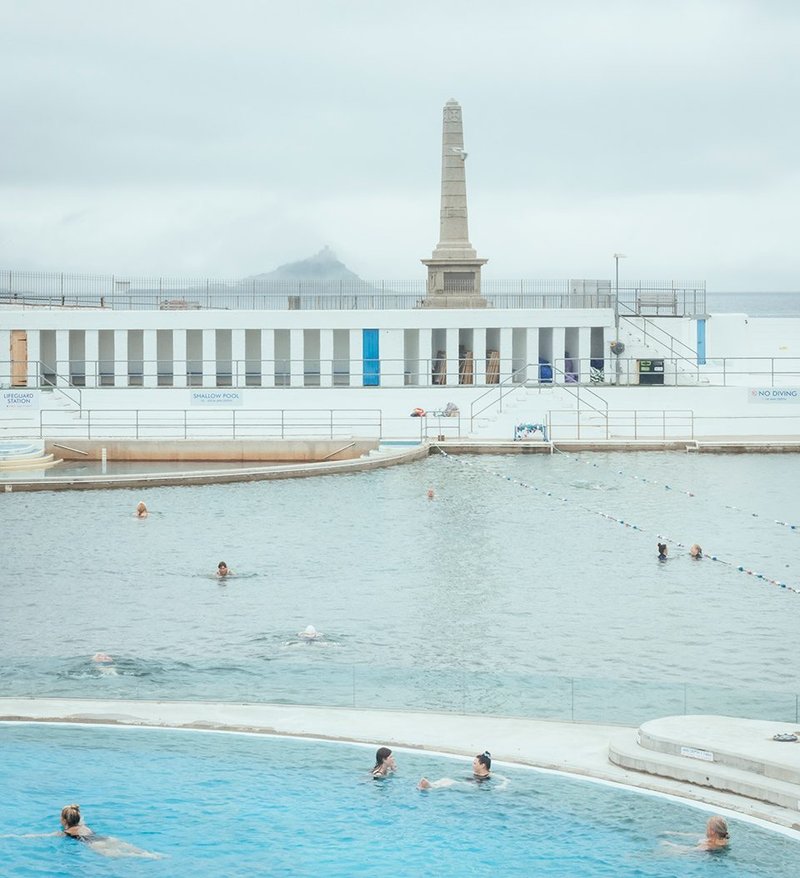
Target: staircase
724, 753
22, 454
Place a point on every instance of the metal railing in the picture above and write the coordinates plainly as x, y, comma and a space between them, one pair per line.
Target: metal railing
627, 424
204, 424
26, 289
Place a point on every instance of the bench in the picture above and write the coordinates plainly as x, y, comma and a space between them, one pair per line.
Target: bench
657, 301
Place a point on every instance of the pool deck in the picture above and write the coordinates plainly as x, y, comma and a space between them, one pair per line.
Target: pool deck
686, 757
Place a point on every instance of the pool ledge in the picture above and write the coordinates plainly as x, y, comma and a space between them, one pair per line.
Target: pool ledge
575, 748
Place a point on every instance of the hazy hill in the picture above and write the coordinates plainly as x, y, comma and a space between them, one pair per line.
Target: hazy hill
322, 266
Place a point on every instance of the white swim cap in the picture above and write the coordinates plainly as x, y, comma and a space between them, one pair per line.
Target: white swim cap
310, 631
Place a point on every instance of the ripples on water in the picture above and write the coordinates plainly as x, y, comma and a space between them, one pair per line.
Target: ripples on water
247, 805
489, 594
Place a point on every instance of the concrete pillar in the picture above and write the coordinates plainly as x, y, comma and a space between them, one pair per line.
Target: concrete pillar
506, 353
425, 363
451, 346
559, 344
34, 356
356, 357
91, 357
179, 365
479, 354
297, 358
326, 358
267, 357
584, 353
532, 355
5, 358
62, 357
120, 358
149, 358
238, 358
209, 358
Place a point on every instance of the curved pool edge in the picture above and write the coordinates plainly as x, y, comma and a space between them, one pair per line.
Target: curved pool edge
578, 749
221, 476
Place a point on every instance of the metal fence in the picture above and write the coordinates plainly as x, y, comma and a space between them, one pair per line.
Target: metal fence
131, 293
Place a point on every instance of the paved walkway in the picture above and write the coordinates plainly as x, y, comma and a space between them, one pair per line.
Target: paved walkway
576, 748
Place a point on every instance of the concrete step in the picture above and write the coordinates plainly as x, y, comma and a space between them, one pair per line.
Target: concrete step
722, 753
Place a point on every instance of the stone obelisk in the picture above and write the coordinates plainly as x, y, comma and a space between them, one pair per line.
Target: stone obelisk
454, 269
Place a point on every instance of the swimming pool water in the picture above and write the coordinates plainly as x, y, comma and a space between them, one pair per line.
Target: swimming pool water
222, 804
490, 598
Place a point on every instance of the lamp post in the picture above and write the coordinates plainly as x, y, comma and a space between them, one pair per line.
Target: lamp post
617, 257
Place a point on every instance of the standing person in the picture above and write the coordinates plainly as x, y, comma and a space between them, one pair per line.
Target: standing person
384, 763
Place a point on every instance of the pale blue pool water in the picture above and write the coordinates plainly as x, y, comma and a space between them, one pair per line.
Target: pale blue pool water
492, 598
235, 805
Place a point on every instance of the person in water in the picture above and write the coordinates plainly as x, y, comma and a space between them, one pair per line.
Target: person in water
716, 837
662, 551
481, 771
223, 570
384, 763
72, 826
310, 633
696, 552
141, 510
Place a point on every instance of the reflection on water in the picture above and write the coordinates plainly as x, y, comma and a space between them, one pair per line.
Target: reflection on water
495, 597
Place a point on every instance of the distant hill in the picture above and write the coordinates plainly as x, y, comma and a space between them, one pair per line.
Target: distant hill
322, 266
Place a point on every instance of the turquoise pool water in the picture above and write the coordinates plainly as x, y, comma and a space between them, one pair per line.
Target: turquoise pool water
491, 598
238, 805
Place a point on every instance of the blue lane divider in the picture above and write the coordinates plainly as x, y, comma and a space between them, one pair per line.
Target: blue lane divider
658, 484
741, 568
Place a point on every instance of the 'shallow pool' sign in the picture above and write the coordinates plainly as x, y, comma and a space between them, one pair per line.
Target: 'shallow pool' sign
217, 397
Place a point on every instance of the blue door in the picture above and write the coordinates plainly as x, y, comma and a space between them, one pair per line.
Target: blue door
371, 358
701, 342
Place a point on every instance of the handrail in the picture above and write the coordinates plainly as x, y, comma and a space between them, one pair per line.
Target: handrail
637, 422
653, 328
60, 387
495, 387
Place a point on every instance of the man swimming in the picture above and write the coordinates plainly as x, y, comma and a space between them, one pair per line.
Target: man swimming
223, 570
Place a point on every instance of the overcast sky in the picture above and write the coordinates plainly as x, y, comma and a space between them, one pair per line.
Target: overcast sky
225, 138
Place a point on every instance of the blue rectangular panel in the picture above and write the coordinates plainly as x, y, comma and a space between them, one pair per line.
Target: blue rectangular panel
701, 342
371, 358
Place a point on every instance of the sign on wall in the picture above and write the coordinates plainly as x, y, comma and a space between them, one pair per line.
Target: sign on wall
773, 394
26, 400
218, 398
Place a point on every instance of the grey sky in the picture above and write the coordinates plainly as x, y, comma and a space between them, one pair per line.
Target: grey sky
225, 138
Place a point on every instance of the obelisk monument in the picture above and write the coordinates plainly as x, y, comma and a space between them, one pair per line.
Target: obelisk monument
454, 269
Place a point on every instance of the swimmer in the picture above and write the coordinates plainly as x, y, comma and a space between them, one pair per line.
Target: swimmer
72, 826
716, 837
696, 552
310, 633
431, 494
102, 658
662, 551
223, 571
141, 510
384, 763
105, 664
481, 771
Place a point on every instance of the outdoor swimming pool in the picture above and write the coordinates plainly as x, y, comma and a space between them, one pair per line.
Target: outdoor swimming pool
235, 805
492, 598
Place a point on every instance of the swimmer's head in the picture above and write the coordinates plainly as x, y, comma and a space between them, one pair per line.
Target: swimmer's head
662, 548
310, 632
717, 827
70, 815
431, 494
696, 551
381, 755
102, 658
222, 568
483, 759
141, 509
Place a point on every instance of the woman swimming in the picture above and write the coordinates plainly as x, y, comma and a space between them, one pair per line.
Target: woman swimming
73, 827
384, 763
662, 551
715, 839
481, 771
141, 510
